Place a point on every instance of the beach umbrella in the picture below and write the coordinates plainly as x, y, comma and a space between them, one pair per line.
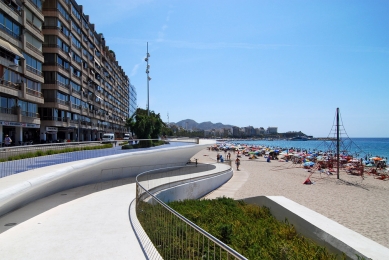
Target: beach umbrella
309, 164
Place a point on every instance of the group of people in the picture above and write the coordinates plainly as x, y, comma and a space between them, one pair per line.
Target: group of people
220, 158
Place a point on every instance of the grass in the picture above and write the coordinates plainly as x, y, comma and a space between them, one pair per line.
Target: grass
249, 229
51, 152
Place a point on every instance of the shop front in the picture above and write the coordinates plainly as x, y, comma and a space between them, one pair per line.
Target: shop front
20, 133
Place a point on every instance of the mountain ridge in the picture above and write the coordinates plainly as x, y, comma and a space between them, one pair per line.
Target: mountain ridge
192, 124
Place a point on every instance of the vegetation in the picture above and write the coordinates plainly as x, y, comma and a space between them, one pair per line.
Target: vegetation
53, 151
145, 126
143, 144
249, 229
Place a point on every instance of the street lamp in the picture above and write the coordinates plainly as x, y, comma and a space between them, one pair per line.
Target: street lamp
148, 78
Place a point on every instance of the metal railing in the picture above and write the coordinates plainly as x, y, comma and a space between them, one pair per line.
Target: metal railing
24, 155
174, 236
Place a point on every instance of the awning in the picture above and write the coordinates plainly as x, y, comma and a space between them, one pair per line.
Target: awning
98, 63
10, 48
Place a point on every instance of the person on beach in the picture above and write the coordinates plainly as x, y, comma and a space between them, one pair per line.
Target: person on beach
229, 156
237, 162
217, 157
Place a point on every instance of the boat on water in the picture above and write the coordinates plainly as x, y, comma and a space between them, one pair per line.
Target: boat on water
298, 138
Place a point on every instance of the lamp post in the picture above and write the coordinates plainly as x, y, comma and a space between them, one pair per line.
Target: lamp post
148, 78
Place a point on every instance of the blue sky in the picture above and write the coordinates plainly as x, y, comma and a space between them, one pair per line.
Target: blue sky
288, 64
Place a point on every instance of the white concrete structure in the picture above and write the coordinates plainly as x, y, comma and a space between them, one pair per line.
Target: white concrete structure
77, 210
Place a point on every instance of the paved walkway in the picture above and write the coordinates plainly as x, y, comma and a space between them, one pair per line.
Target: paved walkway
87, 222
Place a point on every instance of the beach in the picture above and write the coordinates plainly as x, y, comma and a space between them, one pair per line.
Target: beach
360, 204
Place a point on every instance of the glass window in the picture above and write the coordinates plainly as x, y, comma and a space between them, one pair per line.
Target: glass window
63, 11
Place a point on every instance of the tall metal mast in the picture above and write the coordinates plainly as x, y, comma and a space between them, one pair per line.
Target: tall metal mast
148, 78
337, 142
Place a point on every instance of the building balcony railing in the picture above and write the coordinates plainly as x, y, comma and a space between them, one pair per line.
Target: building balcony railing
9, 84
13, 6
76, 106
34, 27
62, 102
36, 7
33, 48
35, 93
9, 32
33, 70
10, 111
30, 114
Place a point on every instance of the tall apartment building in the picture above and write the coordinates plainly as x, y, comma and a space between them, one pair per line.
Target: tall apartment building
21, 61
60, 81
86, 92
133, 100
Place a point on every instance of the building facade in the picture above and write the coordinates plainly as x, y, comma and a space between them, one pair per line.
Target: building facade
86, 93
133, 100
21, 62
60, 81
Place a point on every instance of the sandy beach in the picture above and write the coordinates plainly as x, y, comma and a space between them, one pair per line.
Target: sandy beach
359, 204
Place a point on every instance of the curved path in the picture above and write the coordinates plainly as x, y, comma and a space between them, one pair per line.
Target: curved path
86, 214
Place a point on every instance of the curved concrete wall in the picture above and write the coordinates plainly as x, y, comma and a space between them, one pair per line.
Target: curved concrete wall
194, 189
322, 230
19, 189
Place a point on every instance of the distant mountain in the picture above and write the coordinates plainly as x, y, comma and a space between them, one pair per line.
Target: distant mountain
191, 124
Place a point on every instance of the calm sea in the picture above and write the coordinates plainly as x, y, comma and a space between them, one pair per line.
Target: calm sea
359, 147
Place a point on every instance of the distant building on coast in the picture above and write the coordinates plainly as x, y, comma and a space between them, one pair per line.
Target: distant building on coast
272, 130
59, 79
260, 131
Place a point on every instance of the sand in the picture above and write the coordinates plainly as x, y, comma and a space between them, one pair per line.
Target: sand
360, 204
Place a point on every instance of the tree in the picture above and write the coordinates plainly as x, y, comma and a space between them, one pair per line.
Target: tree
130, 123
145, 126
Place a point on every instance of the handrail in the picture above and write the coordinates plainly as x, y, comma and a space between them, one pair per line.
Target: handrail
154, 199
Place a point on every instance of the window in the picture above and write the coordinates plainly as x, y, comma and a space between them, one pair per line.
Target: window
75, 86
77, 58
75, 71
63, 45
76, 28
27, 108
75, 101
62, 96
76, 13
7, 103
9, 26
33, 19
62, 80
37, 3
63, 62
62, 11
33, 65
36, 86
76, 42
37, 44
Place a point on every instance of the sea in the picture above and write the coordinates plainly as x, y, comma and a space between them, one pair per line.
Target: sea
357, 147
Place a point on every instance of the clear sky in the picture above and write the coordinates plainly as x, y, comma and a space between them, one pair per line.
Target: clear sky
263, 63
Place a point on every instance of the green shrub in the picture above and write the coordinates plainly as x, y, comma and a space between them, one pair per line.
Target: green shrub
249, 229
51, 152
127, 146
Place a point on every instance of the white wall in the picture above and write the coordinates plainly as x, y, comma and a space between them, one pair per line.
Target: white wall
19, 189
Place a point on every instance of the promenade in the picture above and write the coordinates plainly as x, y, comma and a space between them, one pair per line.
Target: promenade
83, 222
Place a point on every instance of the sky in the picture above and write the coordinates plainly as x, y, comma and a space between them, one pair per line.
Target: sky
261, 63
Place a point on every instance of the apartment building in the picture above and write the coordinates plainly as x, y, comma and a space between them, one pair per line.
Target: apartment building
60, 81
21, 61
86, 91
